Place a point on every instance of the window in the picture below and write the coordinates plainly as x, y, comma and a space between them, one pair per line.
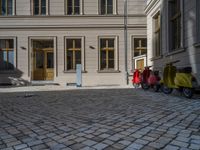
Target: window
175, 24
106, 7
107, 53
73, 53
157, 36
198, 21
140, 46
40, 7
73, 7
6, 7
6, 54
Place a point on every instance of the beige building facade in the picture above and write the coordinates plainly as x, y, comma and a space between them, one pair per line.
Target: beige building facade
44, 40
173, 28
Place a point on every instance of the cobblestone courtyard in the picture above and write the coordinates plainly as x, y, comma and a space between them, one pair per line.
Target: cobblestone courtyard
98, 119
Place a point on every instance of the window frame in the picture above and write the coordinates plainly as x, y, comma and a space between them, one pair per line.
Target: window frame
157, 35
172, 17
82, 53
14, 50
114, 8
40, 8
116, 54
80, 8
13, 9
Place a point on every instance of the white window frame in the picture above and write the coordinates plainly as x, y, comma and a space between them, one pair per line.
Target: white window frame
47, 8
114, 8
82, 52
81, 8
116, 53
170, 50
13, 8
15, 51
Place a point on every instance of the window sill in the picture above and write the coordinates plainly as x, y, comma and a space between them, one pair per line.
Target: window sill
197, 44
73, 71
156, 57
108, 71
176, 51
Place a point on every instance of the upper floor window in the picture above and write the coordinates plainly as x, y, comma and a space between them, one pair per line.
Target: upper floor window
157, 35
198, 21
175, 24
73, 7
140, 46
40, 7
6, 7
6, 54
107, 7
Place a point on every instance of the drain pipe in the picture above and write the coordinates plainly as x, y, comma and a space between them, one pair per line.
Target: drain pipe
125, 39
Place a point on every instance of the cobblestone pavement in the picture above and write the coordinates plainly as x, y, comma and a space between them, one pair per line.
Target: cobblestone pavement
98, 119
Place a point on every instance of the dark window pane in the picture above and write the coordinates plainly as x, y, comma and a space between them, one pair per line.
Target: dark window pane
103, 6
50, 63
77, 10
36, 7
69, 60
69, 10
3, 9
103, 60
76, 3
109, 9
144, 42
102, 43
111, 64
78, 43
69, 3
69, 43
43, 11
111, 54
10, 7
2, 44
43, 3
10, 43
111, 42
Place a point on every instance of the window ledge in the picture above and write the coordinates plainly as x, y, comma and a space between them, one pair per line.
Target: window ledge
108, 71
156, 57
197, 44
73, 71
176, 51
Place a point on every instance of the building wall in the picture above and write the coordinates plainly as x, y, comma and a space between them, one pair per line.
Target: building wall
189, 53
24, 26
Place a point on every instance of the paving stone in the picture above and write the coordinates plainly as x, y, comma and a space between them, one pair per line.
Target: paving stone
21, 146
124, 142
100, 146
180, 144
89, 142
134, 146
171, 147
194, 146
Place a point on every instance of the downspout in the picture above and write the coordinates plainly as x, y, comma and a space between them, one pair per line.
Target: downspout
125, 39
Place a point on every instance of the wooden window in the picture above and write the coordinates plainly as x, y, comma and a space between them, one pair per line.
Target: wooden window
106, 7
140, 46
40, 7
107, 53
73, 53
157, 36
6, 7
6, 54
175, 21
73, 7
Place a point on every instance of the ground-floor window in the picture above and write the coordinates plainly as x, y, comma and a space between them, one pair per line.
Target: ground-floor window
107, 53
6, 54
140, 46
73, 53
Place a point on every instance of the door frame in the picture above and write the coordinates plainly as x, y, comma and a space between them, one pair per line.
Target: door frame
31, 55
